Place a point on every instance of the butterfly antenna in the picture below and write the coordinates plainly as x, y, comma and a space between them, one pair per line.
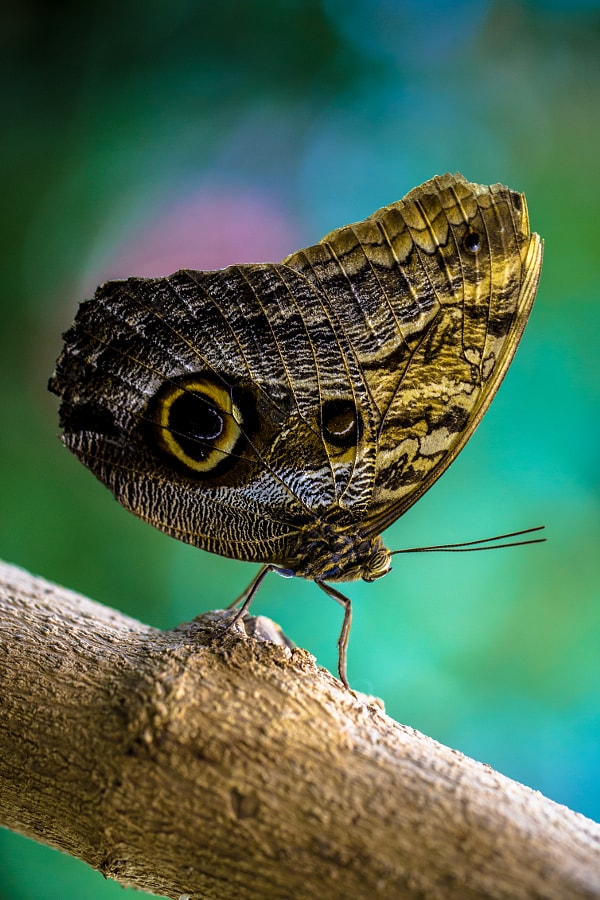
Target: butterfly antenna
490, 543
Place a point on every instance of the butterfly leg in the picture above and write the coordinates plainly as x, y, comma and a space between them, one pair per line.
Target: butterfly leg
344, 633
247, 596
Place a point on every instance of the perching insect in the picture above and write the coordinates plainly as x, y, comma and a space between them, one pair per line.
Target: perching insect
288, 413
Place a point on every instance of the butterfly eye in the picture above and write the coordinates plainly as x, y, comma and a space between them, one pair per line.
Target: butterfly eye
340, 422
472, 242
196, 423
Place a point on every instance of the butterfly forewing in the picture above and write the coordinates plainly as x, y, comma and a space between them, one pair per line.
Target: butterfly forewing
434, 291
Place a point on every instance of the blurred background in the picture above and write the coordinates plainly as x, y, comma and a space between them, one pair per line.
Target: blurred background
147, 136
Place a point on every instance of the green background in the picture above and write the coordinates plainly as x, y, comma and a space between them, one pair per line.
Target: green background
144, 136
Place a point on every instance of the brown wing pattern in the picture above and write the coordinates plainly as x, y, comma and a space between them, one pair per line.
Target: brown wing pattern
433, 292
263, 412
254, 331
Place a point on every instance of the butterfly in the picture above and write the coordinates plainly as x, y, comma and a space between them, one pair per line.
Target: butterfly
287, 413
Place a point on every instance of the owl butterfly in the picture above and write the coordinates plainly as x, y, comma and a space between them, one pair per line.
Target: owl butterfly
286, 413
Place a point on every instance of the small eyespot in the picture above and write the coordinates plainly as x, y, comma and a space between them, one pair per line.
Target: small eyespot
472, 242
340, 422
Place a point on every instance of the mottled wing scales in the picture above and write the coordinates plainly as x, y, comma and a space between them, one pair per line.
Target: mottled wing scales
434, 325
259, 326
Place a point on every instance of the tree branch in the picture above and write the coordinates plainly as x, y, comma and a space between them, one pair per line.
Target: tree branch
185, 762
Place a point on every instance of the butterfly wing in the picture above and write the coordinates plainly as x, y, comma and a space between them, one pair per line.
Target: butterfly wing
433, 293
198, 399
281, 413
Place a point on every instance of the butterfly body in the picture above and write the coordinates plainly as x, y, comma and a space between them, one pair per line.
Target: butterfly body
287, 413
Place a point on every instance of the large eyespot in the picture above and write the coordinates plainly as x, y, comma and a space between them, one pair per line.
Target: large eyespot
341, 422
472, 242
196, 422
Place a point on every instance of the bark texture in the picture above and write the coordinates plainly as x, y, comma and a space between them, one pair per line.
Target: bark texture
188, 763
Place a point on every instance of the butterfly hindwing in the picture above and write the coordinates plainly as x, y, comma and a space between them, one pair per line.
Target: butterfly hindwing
247, 337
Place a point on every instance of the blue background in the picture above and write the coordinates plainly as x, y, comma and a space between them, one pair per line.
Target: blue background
144, 136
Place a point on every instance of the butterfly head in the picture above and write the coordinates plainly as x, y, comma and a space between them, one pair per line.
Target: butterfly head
378, 563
